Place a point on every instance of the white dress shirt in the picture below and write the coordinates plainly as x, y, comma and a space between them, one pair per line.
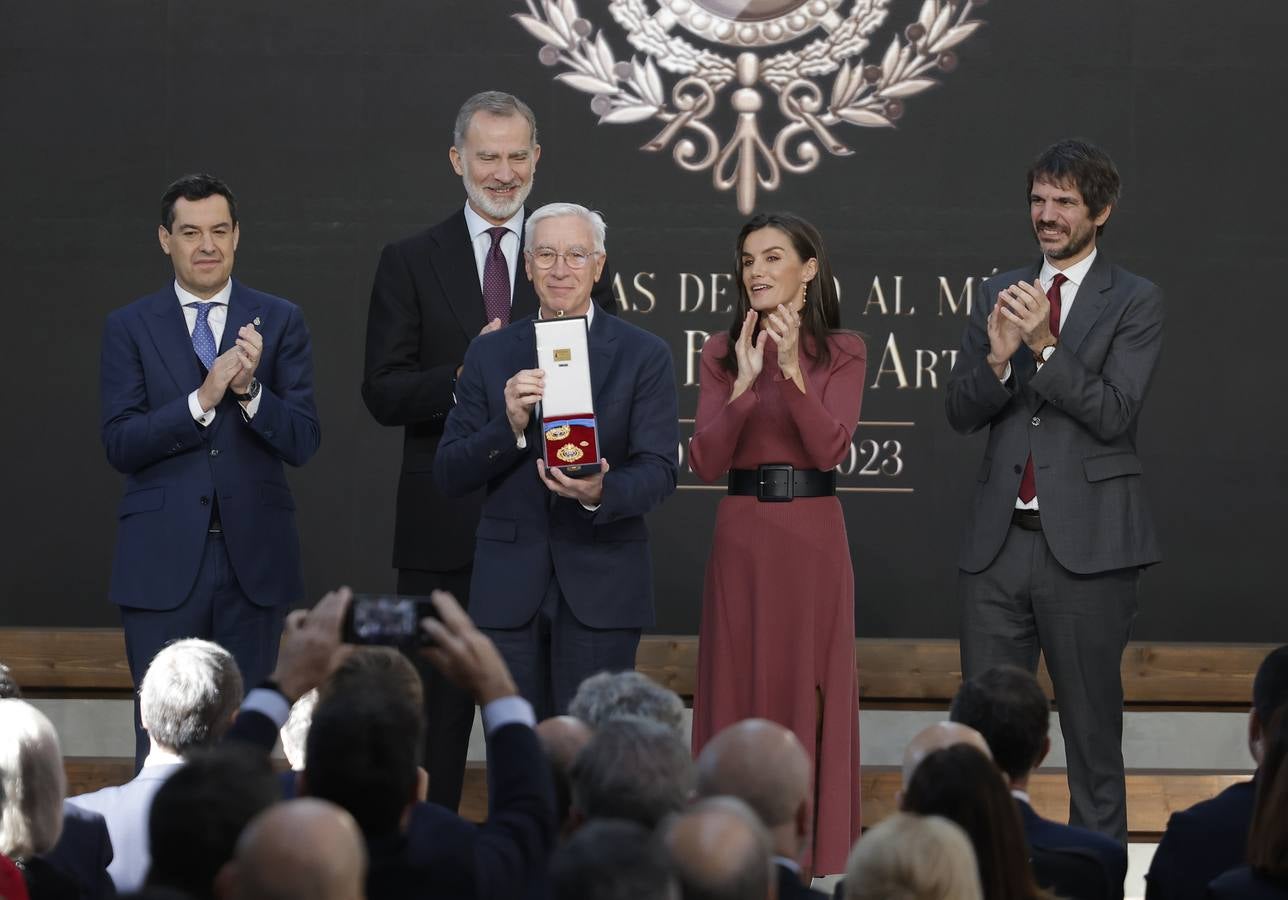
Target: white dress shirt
511, 242
216, 319
1075, 275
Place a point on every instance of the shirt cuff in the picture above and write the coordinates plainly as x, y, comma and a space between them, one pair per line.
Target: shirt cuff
269, 703
521, 441
507, 711
249, 409
1006, 375
199, 415
594, 508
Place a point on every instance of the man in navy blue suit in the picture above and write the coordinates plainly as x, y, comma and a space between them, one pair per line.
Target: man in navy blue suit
1006, 705
206, 390
562, 577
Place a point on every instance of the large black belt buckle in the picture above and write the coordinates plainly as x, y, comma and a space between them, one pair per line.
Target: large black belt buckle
774, 483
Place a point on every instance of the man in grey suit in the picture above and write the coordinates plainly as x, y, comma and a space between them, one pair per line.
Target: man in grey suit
1055, 362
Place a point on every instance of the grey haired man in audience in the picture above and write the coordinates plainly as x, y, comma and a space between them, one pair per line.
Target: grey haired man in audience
190, 693
633, 769
611, 695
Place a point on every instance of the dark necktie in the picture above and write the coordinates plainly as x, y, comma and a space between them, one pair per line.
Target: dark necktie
203, 339
1028, 482
496, 280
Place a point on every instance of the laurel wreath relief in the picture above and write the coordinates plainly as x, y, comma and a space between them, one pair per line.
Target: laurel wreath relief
866, 95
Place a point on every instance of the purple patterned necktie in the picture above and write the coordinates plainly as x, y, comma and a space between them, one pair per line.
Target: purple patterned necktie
496, 280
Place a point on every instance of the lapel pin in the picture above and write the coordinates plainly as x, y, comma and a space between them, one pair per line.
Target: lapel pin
257, 321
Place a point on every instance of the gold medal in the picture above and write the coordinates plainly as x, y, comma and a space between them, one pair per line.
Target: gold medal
570, 453
558, 433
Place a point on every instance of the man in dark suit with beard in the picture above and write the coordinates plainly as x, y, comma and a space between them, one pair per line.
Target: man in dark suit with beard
433, 293
1055, 365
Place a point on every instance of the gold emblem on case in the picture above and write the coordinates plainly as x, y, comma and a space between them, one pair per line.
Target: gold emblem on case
570, 453
558, 433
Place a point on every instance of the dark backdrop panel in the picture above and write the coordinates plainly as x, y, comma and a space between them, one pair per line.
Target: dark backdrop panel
332, 121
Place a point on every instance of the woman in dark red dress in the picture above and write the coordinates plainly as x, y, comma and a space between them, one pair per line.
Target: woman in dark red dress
779, 403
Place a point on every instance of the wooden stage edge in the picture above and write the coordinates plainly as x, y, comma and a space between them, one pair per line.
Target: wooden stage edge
892, 672
1151, 797
899, 674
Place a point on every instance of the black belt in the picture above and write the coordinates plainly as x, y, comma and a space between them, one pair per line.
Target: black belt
778, 483
1028, 519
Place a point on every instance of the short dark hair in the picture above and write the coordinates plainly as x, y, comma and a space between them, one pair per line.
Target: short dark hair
362, 751
611, 859
634, 769
1270, 686
197, 186
1086, 167
962, 784
199, 812
1007, 706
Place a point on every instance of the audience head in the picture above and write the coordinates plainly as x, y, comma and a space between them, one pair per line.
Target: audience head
961, 783
937, 737
910, 857
1268, 834
296, 730
199, 812
720, 851
764, 765
1007, 707
305, 849
190, 693
632, 769
610, 695
32, 781
1269, 692
364, 743
9, 689
562, 738
611, 859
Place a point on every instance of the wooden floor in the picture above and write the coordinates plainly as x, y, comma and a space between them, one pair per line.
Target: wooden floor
893, 674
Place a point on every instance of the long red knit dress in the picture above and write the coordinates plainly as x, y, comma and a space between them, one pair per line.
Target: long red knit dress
777, 634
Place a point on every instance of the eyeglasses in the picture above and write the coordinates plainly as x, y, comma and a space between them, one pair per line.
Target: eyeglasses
576, 258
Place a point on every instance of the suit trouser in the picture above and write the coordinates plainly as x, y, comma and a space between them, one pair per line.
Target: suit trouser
449, 710
1024, 603
216, 609
553, 653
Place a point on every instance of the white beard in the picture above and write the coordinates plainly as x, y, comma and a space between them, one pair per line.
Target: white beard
492, 206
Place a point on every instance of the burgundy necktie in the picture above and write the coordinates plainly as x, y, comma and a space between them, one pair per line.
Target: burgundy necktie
1028, 482
496, 279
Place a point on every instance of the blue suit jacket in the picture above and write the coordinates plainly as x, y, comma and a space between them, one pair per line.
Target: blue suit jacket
126, 809
174, 468
84, 852
526, 533
1045, 834
1200, 843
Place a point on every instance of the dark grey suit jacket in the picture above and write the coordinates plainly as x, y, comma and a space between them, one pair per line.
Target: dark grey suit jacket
1077, 415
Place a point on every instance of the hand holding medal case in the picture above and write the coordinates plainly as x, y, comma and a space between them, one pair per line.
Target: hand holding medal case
568, 431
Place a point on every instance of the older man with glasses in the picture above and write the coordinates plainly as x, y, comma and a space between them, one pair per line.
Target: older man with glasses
562, 578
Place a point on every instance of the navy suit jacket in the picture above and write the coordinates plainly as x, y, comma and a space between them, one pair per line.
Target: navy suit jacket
175, 468
1200, 843
526, 533
84, 852
426, 307
1244, 884
443, 857
1047, 835
126, 809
